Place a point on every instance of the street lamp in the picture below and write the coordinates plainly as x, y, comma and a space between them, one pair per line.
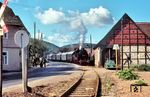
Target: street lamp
116, 48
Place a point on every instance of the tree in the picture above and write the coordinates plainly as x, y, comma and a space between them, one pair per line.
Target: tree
37, 48
64, 49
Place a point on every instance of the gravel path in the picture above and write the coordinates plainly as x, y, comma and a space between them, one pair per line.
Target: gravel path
120, 88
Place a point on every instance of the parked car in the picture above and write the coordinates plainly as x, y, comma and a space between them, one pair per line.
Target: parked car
110, 64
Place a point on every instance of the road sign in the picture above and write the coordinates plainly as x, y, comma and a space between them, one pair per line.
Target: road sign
115, 47
21, 38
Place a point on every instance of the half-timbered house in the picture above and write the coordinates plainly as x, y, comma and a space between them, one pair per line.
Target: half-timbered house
133, 39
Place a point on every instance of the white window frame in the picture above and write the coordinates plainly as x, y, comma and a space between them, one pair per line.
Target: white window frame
6, 57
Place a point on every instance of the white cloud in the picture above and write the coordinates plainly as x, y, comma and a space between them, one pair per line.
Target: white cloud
73, 13
97, 17
59, 38
50, 16
77, 25
74, 21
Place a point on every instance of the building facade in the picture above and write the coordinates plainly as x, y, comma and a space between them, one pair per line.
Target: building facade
11, 52
133, 39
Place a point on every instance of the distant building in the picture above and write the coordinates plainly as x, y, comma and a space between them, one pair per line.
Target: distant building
11, 52
133, 39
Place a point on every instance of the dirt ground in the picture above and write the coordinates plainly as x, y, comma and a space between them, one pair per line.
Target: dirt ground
45, 87
122, 87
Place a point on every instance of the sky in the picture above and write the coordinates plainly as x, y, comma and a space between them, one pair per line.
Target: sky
65, 22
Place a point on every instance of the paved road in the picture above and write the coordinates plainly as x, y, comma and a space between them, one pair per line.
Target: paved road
52, 69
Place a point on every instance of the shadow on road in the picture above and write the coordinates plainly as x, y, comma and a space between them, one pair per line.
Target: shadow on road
42, 72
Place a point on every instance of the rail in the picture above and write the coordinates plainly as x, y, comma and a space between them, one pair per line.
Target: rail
65, 93
87, 85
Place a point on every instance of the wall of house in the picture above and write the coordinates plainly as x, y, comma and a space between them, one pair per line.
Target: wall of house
13, 51
9, 42
138, 54
98, 56
13, 59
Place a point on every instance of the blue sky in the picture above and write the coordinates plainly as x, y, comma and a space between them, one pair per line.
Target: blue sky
64, 21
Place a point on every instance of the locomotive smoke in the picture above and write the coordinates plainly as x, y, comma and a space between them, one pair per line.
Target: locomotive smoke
82, 31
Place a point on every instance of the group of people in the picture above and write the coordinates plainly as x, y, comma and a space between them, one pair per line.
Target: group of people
39, 61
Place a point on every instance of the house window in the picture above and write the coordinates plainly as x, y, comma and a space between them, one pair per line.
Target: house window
5, 58
5, 36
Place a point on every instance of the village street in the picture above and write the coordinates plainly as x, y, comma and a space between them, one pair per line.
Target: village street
35, 73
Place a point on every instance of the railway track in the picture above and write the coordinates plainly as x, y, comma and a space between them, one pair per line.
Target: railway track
86, 86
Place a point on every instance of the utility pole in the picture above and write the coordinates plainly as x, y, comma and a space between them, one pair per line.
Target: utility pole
24, 67
121, 44
34, 30
34, 39
4, 29
91, 43
91, 57
42, 36
1, 63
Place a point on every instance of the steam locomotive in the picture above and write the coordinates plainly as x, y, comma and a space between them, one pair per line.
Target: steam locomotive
79, 56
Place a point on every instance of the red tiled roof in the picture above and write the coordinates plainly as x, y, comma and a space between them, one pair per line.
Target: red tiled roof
10, 18
145, 27
13, 21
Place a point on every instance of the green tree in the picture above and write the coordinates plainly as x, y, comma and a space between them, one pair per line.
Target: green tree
37, 48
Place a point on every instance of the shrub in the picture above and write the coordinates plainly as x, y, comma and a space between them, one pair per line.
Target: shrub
141, 82
127, 74
109, 84
134, 67
143, 67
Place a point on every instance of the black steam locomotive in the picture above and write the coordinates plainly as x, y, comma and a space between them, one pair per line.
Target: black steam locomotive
79, 56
